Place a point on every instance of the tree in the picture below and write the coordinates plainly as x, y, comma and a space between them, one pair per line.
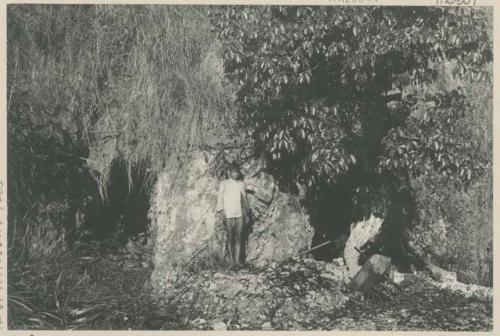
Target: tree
337, 96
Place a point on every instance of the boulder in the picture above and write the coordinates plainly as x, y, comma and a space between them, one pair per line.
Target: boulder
441, 275
397, 276
219, 326
472, 290
360, 233
371, 273
185, 230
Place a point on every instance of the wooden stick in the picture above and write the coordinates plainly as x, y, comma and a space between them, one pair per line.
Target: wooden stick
314, 248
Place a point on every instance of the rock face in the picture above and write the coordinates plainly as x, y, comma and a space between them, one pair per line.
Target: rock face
186, 232
361, 232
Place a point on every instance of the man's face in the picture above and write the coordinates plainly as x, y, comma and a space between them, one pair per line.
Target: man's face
233, 174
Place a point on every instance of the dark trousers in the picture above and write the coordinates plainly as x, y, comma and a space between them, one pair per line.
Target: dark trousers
235, 228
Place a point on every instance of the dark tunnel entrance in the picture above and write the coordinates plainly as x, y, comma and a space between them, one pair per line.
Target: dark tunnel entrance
331, 216
356, 197
124, 212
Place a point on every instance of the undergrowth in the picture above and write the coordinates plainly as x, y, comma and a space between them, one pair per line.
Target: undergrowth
83, 289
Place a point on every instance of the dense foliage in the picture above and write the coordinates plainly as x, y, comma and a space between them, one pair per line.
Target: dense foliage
314, 83
349, 97
448, 214
46, 146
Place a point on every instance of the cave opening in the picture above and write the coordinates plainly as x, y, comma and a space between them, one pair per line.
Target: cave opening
331, 212
123, 214
355, 198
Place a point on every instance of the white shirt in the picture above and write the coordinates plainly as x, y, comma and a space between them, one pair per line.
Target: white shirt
230, 198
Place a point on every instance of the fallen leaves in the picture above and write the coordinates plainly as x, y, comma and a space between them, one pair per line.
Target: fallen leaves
310, 295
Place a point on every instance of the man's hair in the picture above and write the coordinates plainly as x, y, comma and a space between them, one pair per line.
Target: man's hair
233, 166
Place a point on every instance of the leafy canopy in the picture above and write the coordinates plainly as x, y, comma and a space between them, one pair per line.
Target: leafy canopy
330, 91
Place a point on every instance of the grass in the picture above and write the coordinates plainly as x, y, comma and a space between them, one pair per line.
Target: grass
142, 94
84, 289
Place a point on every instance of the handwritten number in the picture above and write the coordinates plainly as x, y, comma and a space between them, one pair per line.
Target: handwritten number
456, 2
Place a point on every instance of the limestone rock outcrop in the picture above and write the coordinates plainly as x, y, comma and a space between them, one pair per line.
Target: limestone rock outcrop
186, 231
361, 233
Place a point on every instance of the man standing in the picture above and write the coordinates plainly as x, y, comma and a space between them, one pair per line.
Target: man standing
231, 207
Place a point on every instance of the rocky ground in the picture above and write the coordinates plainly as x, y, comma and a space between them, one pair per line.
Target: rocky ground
101, 291
309, 295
